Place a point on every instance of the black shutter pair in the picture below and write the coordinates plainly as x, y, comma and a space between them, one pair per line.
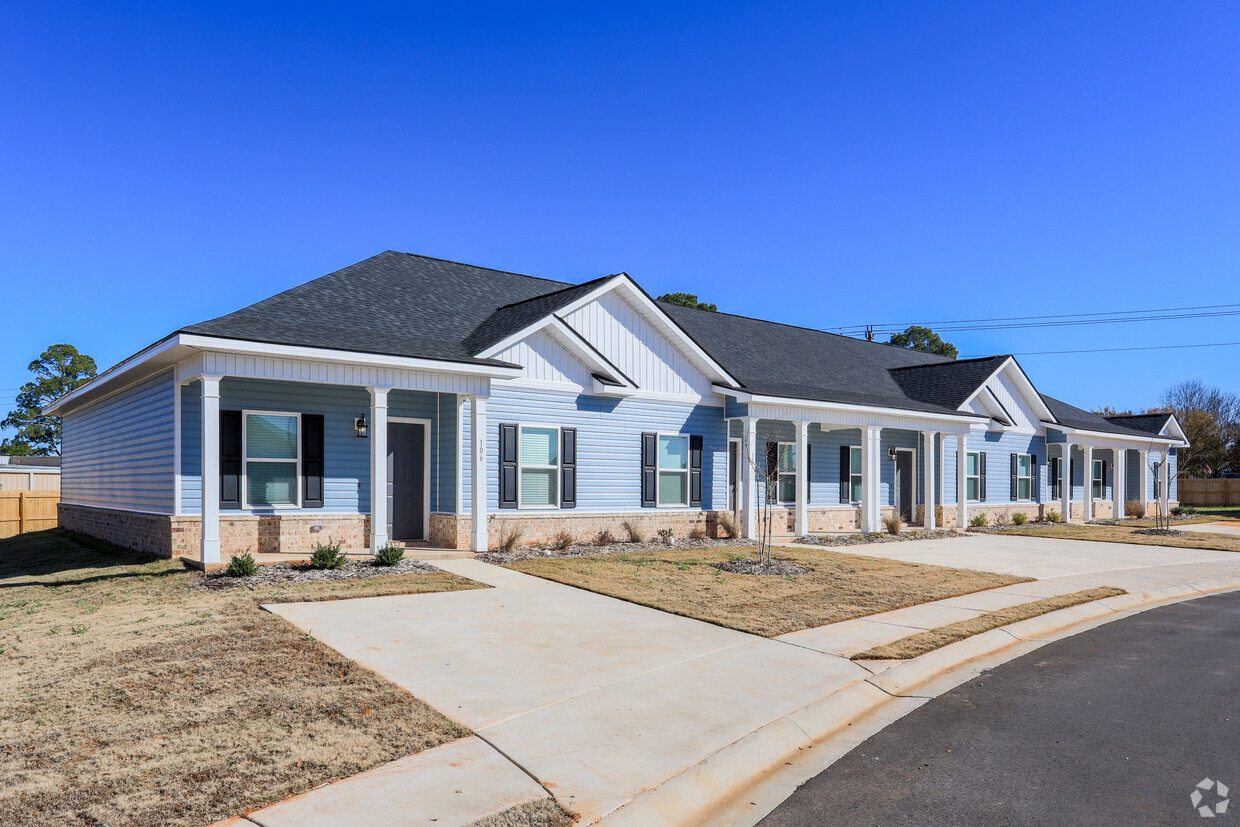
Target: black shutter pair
231, 460
981, 476
1055, 464
845, 473
650, 470
1014, 463
508, 458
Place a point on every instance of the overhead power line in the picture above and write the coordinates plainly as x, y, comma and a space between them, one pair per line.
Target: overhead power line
1116, 349
1054, 320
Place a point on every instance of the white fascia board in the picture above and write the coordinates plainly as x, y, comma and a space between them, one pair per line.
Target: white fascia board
972, 420
1022, 378
585, 352
180, 345
1173, 425
1102, 439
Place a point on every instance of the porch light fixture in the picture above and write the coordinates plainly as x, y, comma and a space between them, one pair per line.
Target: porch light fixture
359, 426
891, 453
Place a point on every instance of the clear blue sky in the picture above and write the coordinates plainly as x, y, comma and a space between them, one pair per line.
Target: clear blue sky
817, 163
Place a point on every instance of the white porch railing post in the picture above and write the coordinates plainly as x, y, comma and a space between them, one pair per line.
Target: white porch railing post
1118, 479
1164, 481
802, 499
1065, 482
209, 546
871, 507
962, 481
749, 517
378, 469
929, 521
1088, 479
478, 473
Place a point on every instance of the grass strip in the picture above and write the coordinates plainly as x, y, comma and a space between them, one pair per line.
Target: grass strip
1125, 534
923, 642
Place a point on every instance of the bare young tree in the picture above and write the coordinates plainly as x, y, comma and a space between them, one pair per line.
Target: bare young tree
764, 472
1162, 520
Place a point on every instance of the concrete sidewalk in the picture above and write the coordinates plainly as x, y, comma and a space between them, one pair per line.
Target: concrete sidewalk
620, 710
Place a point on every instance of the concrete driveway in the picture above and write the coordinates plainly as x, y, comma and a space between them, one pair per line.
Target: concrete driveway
601, 700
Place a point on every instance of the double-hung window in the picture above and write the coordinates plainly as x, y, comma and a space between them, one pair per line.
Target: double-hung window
783, 474
1056, 475
854, 474
673, 468
1098, 479
1024, 477
973, 476
272, 451
539, 458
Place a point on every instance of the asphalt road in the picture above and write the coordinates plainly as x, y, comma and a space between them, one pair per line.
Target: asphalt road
1115, 726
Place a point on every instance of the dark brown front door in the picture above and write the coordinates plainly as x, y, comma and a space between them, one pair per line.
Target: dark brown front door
905, 485
406, 481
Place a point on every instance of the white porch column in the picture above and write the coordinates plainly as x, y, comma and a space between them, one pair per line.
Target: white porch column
749, 487
1088, 479
802, 503
378, 469
1119, 479
1144, 479
209, 548
478, 473
871, 507
928, 499
1065, 482
1164, 481
962, 481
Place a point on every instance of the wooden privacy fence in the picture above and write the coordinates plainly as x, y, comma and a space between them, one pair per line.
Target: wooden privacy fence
22, 511
1209, 492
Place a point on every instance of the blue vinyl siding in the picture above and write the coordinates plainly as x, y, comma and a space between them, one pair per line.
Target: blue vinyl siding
998, 447
609, 442
118, 452
346, 462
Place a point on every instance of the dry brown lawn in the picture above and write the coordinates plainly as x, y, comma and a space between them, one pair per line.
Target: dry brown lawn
541, 813
129, 697
922, 642
1124, 534
840, 587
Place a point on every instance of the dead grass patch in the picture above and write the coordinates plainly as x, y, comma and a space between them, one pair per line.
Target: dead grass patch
838, 587
923, 642
1127, 534
129, 697
541, 813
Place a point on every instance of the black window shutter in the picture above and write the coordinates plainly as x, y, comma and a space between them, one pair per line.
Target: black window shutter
1072, 476
695, 471
507, 466
650, 476
1013, 460
1104, 475
568, 468
230, 459
1054, 463
981, 481
845, 473
1036, 485
809, 467
312, 460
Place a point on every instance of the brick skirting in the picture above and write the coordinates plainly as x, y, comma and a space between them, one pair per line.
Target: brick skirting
135, 530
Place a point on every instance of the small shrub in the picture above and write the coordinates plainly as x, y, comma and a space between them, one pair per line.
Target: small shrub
1019, 518
508, 539
389, 556
979, 521
698, 533
242, 565
1135, 509
666, 537
1053, 516
327, 555
634, 532
1183, 511
727, 525
561, 540
604, 538
892, 523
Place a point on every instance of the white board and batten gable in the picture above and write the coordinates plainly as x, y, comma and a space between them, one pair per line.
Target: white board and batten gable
1008, 396
618, 331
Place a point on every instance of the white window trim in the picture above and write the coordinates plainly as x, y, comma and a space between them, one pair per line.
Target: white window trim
521, 466
1028, 477
245, 461
977, 476
659, 470
779, 448
855, 472
1099, 479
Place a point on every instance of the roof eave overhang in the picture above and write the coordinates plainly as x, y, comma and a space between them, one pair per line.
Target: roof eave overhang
792, 401
177, 347
1136, 439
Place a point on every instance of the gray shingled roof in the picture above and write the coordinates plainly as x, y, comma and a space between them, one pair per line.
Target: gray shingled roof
394, 303
514, 318
949, 384
1146, 423
1075, 417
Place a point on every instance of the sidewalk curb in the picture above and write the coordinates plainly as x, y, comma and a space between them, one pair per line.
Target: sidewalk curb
724, 788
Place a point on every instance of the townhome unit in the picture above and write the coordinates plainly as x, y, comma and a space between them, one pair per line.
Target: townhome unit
407, 398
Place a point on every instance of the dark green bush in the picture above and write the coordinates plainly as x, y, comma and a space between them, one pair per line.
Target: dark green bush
979, 521
1183, 510
1019, 518
327, 556
241, 565
389, 556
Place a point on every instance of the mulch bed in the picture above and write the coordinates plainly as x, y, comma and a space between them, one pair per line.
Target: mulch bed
867, 539
277, 573
776, 568
1160, 532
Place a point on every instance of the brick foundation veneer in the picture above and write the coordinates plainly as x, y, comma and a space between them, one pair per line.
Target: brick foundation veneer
135, 530
452, 530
